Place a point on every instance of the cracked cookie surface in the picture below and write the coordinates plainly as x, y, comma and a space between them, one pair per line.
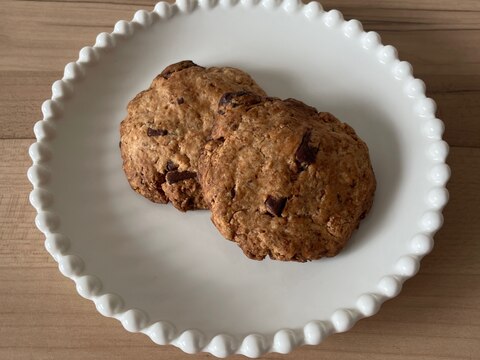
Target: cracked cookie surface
167, 126
283, 180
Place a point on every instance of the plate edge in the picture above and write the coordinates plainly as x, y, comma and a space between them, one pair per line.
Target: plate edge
222, 345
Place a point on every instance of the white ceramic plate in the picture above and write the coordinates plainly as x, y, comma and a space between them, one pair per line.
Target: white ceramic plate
171, 275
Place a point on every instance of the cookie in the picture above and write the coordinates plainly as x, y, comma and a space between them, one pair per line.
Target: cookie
167, 127
283, 180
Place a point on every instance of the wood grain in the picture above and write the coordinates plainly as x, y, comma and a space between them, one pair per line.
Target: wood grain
437, 314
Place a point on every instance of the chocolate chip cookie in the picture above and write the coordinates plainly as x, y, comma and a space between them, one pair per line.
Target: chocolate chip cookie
167, 126
284, 180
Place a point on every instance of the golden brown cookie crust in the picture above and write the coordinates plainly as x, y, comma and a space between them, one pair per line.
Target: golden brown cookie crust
283, 180
167, 126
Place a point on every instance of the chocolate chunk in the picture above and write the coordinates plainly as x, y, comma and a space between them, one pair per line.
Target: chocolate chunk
171, 166
306, 154
232, 192
160, 180
275, 206
182, 65
176, 176
229, 96
238, 98
363, 214
189, 205
180, 100
156, 132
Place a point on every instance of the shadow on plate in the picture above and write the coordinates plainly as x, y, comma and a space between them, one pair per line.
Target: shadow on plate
376, 128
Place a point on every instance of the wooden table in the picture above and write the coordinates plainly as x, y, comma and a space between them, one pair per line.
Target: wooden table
437, 314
